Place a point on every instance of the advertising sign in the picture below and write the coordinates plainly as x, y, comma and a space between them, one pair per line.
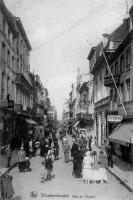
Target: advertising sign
114, 118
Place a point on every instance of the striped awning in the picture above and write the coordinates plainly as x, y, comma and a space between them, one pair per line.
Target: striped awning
123, 133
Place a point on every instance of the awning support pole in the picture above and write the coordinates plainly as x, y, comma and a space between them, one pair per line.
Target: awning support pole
113, 79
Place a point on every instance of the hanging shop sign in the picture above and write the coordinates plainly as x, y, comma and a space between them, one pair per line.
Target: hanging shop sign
114, 118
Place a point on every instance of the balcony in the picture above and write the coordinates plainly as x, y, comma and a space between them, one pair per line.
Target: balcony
22, 82
108, 81
128, 106
102, 102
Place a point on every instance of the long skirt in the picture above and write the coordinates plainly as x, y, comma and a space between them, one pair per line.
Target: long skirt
77, 169
95, 175
66, 155
87, 174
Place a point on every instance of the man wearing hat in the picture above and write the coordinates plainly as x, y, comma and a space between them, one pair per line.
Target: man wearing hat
21, 159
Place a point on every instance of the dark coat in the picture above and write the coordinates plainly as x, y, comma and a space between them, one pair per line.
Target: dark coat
78, 159
49, 164
74, 149
7, 186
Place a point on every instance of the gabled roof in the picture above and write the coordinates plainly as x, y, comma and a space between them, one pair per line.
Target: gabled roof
120, 32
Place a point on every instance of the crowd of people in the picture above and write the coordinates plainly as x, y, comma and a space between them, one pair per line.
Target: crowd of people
87, 162
88, 165
49, 150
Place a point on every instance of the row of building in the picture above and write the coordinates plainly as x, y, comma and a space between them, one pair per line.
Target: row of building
101, 101
24, 101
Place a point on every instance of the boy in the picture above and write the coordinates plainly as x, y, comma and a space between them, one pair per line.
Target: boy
49, 167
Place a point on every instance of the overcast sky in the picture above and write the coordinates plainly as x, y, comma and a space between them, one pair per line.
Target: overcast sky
61, 33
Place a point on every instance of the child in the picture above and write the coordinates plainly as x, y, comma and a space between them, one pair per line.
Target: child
27, 161
50, 153
43, 172
56, 151
49, 167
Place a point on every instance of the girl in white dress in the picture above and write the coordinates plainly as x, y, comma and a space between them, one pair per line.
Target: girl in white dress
87, 167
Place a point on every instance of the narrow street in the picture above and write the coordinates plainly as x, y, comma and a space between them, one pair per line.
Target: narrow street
64, 185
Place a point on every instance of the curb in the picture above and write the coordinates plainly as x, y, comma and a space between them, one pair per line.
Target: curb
128, 186
10, 168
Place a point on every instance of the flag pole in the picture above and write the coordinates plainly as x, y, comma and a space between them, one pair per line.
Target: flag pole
113, 80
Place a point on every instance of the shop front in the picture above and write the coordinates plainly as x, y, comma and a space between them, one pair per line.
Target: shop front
122, 140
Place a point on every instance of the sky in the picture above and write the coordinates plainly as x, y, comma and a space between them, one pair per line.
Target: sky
61, 33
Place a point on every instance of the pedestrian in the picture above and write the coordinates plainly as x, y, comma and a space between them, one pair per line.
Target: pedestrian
30, 147
49, 167
43, 172
56, 150
94, 155
50, 140
50, 153
87, 167
21, 159
74, 149
77, 164
42, 147
34, 148
90, 141
28, 165
8, 153
26, 146
110, 156
66, 150
46, 149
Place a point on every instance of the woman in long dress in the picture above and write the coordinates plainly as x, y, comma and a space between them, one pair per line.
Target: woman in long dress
87, 167
66, 151
77, 164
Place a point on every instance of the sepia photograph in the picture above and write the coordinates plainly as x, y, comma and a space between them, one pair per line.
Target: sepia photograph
66, 99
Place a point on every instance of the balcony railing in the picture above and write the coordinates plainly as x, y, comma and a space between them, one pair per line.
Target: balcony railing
108, 81
20, 79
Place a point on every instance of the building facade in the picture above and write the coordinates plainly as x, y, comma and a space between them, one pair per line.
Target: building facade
8, 66
121, 65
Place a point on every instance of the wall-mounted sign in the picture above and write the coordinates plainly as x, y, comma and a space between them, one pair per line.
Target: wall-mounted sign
114, 118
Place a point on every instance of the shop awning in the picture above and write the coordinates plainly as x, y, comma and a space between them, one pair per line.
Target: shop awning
30, 121
122, 134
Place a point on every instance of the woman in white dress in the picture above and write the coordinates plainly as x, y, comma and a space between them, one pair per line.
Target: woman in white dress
87, 167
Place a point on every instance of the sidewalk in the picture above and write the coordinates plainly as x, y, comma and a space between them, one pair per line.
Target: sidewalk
121, 170
3, 160
124, 172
